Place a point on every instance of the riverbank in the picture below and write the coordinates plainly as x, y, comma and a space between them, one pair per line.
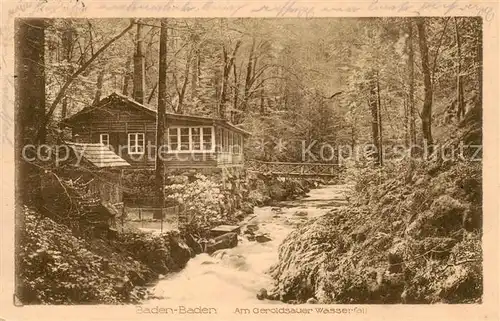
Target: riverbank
409, 235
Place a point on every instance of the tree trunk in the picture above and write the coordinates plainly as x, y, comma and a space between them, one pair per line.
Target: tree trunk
262, 105
248, 78
372, 102
152, 93
479, 62
411, 94
236, 92
160, 120
379, 122
195, 71
67, 47
100, 82
227, 66
427, 107
182, 93
139, 68
460, 88
407, 122
194, 74
222, 100
29, 110
128, 76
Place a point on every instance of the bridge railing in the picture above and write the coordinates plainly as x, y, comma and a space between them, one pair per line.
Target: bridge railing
293, 169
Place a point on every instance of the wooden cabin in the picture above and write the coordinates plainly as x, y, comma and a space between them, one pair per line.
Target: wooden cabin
129, 129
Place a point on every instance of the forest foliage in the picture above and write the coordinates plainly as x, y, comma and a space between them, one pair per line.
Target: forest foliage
357, 81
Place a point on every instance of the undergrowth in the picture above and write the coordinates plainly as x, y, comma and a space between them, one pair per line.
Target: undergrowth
411, 234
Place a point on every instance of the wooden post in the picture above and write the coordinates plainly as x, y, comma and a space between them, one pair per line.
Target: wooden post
161, 219
146, 155
120, 198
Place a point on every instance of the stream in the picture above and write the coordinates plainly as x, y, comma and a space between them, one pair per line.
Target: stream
237, 274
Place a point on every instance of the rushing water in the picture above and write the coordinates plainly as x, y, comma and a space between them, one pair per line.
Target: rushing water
239, 273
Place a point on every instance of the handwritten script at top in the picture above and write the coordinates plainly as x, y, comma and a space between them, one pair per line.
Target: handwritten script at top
289, 8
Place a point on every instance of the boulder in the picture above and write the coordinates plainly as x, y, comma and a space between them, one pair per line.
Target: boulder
262, 294
252, 227
445, 215
311, 301
262, 238
395, 257
195, 246
225, 241
251, 237
300, 213
180, 252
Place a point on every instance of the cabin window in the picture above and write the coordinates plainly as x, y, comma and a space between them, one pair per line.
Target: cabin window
184, 138
237, 144
225, 144
219, 140
190, 139
173, 139
196, 138
104, 139
136, 143
207, 138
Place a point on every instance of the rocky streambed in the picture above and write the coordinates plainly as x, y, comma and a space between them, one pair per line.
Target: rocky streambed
242, 272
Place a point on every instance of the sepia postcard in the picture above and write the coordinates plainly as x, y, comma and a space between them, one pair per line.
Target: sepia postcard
231, 160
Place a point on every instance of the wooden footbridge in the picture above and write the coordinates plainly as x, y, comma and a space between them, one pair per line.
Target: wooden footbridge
322, 170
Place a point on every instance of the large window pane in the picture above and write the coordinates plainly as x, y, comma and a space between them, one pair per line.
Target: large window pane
219, 140
226, 140
173, 139
231, 143
207, 138
196, 138
184, 138
237, 145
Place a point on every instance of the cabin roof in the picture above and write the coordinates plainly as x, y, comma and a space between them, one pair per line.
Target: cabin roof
98, 155
151, 111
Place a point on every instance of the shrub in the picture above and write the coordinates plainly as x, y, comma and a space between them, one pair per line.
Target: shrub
203, 201
162, 253
57, 268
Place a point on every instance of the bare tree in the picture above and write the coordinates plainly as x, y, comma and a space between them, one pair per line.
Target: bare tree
411, 93
427, 107
460, 87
